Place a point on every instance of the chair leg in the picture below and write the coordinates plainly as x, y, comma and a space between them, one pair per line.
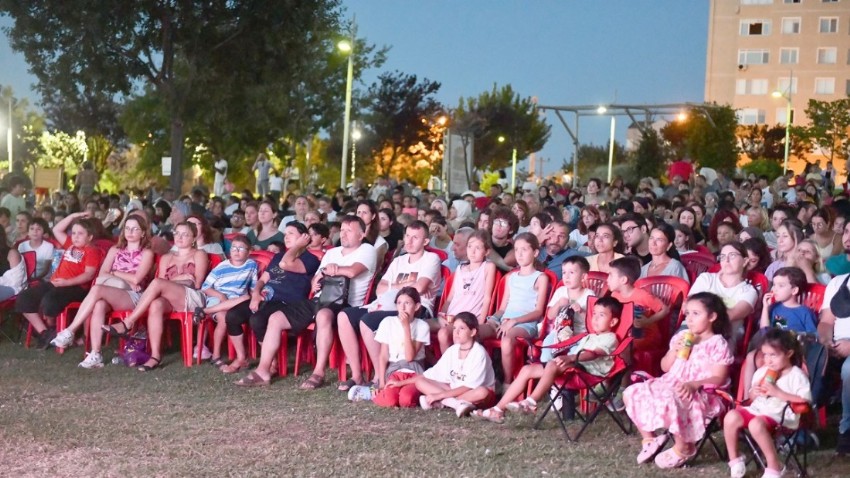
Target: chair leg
186, 336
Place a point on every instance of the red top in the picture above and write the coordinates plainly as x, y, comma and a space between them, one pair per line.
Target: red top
682, 169
75, 260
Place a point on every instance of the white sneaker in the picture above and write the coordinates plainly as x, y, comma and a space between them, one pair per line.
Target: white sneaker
93, 360
63, 339
461, 407
360, 393
205, 353
738, 468
423, 402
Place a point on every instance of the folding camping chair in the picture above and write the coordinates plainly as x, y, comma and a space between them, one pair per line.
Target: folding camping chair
576, 379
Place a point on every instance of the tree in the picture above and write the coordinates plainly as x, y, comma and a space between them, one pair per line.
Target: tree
502, 112
593, 160
207, 62
27, 126
399, 118
762, 141
61, 150
828, 128
650, 157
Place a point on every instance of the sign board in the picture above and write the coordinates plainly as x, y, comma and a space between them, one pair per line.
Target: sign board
456, 163
166, 165
50, 179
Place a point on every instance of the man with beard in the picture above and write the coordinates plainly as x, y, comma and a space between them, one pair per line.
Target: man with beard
636, 237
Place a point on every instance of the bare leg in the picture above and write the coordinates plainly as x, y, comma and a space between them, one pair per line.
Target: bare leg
350, 345
731, 426
509, 343
87, 306
218, 334
170, 291
547, 378
156, 323
761, 434
271, 343
683, 447
428, 386
516, 389
98, 318
372, 346
324, 340
445, 338
35, 319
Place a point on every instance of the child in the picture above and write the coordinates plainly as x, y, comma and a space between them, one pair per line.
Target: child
779, 381
70, 283
781, 309
43, 249
593, 352
523, 303
699, 358
463, 378
402, 338
229, 284
319, 234
472, 288
648, 311
572, 296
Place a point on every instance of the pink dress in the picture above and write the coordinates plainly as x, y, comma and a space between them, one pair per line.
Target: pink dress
653, 404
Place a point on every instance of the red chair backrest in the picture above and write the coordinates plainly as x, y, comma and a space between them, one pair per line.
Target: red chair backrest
553, 282
696, 263
441, 253
671, 290
760, 283
702, 250
812, 296
597, 282
263, 259
714, 268
624, 325
30, 263
214, 259
499, 291
103, 244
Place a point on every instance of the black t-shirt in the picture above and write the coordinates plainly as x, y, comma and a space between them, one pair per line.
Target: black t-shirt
503, 250
644, 260
291, 287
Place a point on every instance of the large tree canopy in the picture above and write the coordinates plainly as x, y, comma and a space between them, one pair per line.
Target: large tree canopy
233, 75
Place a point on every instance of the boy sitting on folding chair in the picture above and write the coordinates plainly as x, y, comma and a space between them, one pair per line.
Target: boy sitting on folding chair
592, 353
776, 385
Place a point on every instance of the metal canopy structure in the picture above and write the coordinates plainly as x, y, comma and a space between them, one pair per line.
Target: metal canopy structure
641, 116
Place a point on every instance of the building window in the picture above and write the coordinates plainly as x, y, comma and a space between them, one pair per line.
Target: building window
829, 1
751, 87
785, 85
827, 56
847, 88
824, 86
753, 57
792, 1
756, 2
789, 56
780, 116
791, 25
750, 116
755, 27
828, 25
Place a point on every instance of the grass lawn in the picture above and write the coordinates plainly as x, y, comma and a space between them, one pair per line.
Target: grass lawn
60, 420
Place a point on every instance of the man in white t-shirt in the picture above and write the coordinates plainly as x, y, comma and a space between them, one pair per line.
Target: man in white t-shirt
356, 260
418, 268
220, 167
834, 334
262, 165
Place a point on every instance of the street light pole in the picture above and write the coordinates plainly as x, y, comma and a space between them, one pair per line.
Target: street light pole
355, 136
347, 46
513, 173
9, 134
787, 95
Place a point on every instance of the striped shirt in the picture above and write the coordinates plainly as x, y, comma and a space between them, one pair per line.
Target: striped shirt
230, 280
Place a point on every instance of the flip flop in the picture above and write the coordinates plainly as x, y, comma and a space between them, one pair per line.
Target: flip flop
148, 368
231, 368
111, 330
346, 385
491, 415
217, 362
253, 379
313, 382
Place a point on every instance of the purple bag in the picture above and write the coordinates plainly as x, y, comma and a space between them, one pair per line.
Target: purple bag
135, 351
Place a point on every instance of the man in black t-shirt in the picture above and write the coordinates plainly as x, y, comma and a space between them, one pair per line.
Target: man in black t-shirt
636, 236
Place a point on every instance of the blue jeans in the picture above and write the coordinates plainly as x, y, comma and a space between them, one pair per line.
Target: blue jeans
844, 424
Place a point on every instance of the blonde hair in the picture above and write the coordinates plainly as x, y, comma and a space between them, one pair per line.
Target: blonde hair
818, 266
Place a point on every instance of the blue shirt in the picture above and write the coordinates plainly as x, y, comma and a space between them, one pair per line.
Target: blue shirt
798, 319
290, 287
556, 263
232, 281
838, 265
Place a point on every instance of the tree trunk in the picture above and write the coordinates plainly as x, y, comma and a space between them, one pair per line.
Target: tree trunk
177, 137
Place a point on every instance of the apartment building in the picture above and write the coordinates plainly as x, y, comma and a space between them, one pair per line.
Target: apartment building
800, 48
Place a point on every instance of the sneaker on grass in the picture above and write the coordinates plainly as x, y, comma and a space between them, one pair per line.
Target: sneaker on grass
461, 407
423, 402
360, 393
93, 360
63, 339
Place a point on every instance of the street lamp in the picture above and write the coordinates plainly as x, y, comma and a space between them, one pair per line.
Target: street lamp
355, 136
602, 110
787, 96
347, 46
9, 133
513, 167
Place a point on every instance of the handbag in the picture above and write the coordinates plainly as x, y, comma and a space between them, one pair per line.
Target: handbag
334, 290
116, 282
840, 303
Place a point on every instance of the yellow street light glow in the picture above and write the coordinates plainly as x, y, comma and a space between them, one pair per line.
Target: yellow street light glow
501, 139
442, 120
355, 135
776, 94
601, 110
682, 116
344, 46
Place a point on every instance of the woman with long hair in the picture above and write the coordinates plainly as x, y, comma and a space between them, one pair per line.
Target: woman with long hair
589, 216
368, 213
789, 234
758, 255
688, 217
265, 231
609, 246
520, 210
665, 257
684, 240
807, 259
205, 241
828, 241
123, 275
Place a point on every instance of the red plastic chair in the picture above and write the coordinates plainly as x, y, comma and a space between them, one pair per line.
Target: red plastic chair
578, 380
812, 296
760, 283
597, 282
443, 254
697, 263
672, 292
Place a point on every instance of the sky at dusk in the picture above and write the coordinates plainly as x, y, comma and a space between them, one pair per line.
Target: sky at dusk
564, 52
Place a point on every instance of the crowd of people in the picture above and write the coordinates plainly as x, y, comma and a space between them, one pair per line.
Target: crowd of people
365, 271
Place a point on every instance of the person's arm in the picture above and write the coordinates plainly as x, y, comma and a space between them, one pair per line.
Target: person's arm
498, 261
63, 225
257, 293
719, 376
351, 271
447, 300
670, 357
764, 321
106, 265
489, 286
202, 264
291, 261
740, 311
86, 277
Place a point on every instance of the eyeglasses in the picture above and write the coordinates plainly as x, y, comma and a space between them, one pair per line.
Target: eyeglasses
238, 248
630, 229
730, 256
132, 229
500, 222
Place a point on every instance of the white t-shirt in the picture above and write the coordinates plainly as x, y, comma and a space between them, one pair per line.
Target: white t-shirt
579, 321
402, 273
275, 183
474, 371
283, 222
579, 238
359, 286
710, 282
391, 333
842, 324
794, 382
43, 255
220, 164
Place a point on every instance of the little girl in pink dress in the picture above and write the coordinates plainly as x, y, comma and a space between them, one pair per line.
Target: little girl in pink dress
678, 401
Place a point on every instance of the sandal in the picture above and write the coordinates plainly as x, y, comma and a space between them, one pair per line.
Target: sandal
198, 316
346, 385
111, 330
217, 362
494, 415
233, 367
672, 458
148, 368
650, 448
522, 406
253, 379
313, 382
